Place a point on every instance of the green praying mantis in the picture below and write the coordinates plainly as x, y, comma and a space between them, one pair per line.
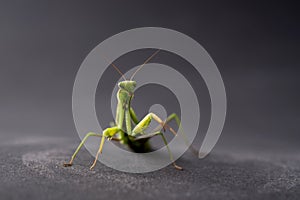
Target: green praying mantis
122, 131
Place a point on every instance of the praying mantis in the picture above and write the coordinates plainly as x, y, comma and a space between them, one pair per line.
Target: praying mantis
122, 131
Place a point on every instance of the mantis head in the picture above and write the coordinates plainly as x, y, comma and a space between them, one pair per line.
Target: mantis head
129, 86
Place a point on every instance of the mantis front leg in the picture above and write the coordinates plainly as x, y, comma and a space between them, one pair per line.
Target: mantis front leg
107, 133
70, 163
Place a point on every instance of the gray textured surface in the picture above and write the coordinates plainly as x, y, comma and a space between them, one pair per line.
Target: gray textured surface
31, 169
255, 45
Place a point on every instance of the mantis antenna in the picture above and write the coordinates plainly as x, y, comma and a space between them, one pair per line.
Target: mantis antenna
148, 59
117, 69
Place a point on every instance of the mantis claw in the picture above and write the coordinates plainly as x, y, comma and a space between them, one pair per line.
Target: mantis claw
177, 167
67, 164
91, 168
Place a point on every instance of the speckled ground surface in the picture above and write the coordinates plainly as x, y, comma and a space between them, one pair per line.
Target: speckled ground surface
255, 45
31, 168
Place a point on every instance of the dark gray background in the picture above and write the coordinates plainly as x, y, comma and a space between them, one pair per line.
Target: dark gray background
255, 45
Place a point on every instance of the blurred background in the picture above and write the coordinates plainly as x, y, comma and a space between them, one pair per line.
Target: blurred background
255, 45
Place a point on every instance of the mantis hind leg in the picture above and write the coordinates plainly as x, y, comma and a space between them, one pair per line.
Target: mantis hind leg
150, 135
175, 117
170, 153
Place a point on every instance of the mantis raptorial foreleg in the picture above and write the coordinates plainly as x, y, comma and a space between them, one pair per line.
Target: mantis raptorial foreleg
133, 116
144, 123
